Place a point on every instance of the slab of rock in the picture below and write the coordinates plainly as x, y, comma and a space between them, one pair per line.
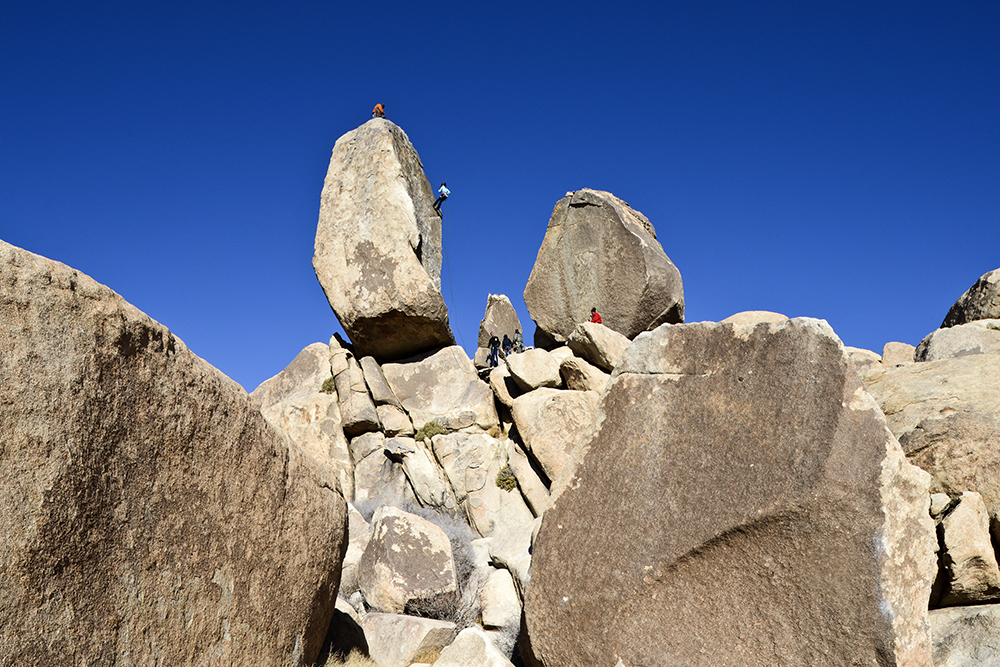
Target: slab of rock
980, 302
798, 533
895, 353
946, 415
863, 360
443, 388
378, 387
598, 344
499, 601
394, 421
755, 317
529, 479
359, 532
378, 245
408, 563
979, 337
471, 462
472, 648
378, 480
552, 422
972, 572
600, 253
534, 368
357, 411
149, 513
966, 636
500, 318
503, 385
511, 550
580, 375
425, 477
292, 401
400, 641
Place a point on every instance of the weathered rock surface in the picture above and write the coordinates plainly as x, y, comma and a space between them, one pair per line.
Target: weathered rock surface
980, 302
598, 344
972, 572
503, 385
472, 648
552, 422
292, 401
378, 387
946, 415
425, 477
966, 636
795, 521
895, 353
400, 641
378, 245
534, 368
863, 360
600, 253
357, 411
580, 375
511, 550
443, 388
149, 513
359, 532
755, 317
408, 562
500, 318
499, 601
529, 479
378, 480
979, 337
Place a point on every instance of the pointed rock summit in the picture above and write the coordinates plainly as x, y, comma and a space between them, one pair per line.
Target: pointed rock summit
599, 252
378, 245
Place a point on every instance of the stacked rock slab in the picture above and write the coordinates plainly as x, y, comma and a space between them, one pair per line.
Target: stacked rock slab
600, 253
378, 245
980, 302
149, 513
741, 503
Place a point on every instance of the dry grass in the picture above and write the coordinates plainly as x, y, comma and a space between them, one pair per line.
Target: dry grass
355, 659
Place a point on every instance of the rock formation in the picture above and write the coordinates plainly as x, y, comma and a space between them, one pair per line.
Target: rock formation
977, 337
980, 302
149, 513
500, 318
378, 245
741, 502
600, 253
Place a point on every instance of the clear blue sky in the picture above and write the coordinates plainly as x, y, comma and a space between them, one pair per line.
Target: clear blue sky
828, 159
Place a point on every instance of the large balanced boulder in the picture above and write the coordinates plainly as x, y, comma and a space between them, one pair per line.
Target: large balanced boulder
600, 253
149, 513
500, 319
740, 503
980, 302
378, 245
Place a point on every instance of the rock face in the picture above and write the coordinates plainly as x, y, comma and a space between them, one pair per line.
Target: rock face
534, 368
966, 636
552, 422
500, 318
971, 565
600, 253
797, 532
149, 513
598, 344
979, 337
980, 302
378, 245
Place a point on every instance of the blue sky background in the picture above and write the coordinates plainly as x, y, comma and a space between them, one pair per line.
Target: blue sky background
827, 159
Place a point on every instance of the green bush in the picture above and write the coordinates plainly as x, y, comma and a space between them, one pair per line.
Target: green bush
329, 386
429, 430
506, 479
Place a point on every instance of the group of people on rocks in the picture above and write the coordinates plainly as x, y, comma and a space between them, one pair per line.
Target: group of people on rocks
507, 345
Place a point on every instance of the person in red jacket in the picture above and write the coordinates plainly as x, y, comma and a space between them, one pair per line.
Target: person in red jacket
378, 111
595, 316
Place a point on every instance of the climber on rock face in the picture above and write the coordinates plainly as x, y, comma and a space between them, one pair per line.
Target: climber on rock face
378, 111
443, 191
595, 316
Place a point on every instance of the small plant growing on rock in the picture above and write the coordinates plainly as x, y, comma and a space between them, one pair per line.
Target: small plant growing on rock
329, 386
506, 479
429, 430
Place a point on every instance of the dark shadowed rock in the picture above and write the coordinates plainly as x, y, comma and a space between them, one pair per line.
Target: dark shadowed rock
149, 513
500, 318
741, 503
378, 245
980, 302
600, 253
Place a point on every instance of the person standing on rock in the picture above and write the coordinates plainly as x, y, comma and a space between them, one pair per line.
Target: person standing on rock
378, 111
494, 349
443, 191
595, 316
518, 341
507, 346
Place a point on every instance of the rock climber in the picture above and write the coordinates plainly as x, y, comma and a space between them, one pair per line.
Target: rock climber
443, 191
595, 316
378, 111
494, 349
518, 341
506, 345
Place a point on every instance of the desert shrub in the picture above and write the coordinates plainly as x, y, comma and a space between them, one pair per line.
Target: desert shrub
429, 430
506, 479
329, 386
354, 659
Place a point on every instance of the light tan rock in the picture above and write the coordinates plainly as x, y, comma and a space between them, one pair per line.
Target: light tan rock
503, 385
443, 388
940, 503
408, 563
500, 318
973, 574
400, 641
149, 513
552, 423
357, 411
755, 317
580, 375
378, 245
561, 354
378, 480
427, 480
394, 421
511, 550
894, 354
978, 337
534, 368
499, 600
980, 302
863, 360
529, 480
598, 344
600, 253
788, 499
359, 532
966, 636
472, 648
378, 387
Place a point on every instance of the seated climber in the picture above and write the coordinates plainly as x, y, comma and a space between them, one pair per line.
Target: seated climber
378, 111
595, 316
443, 191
